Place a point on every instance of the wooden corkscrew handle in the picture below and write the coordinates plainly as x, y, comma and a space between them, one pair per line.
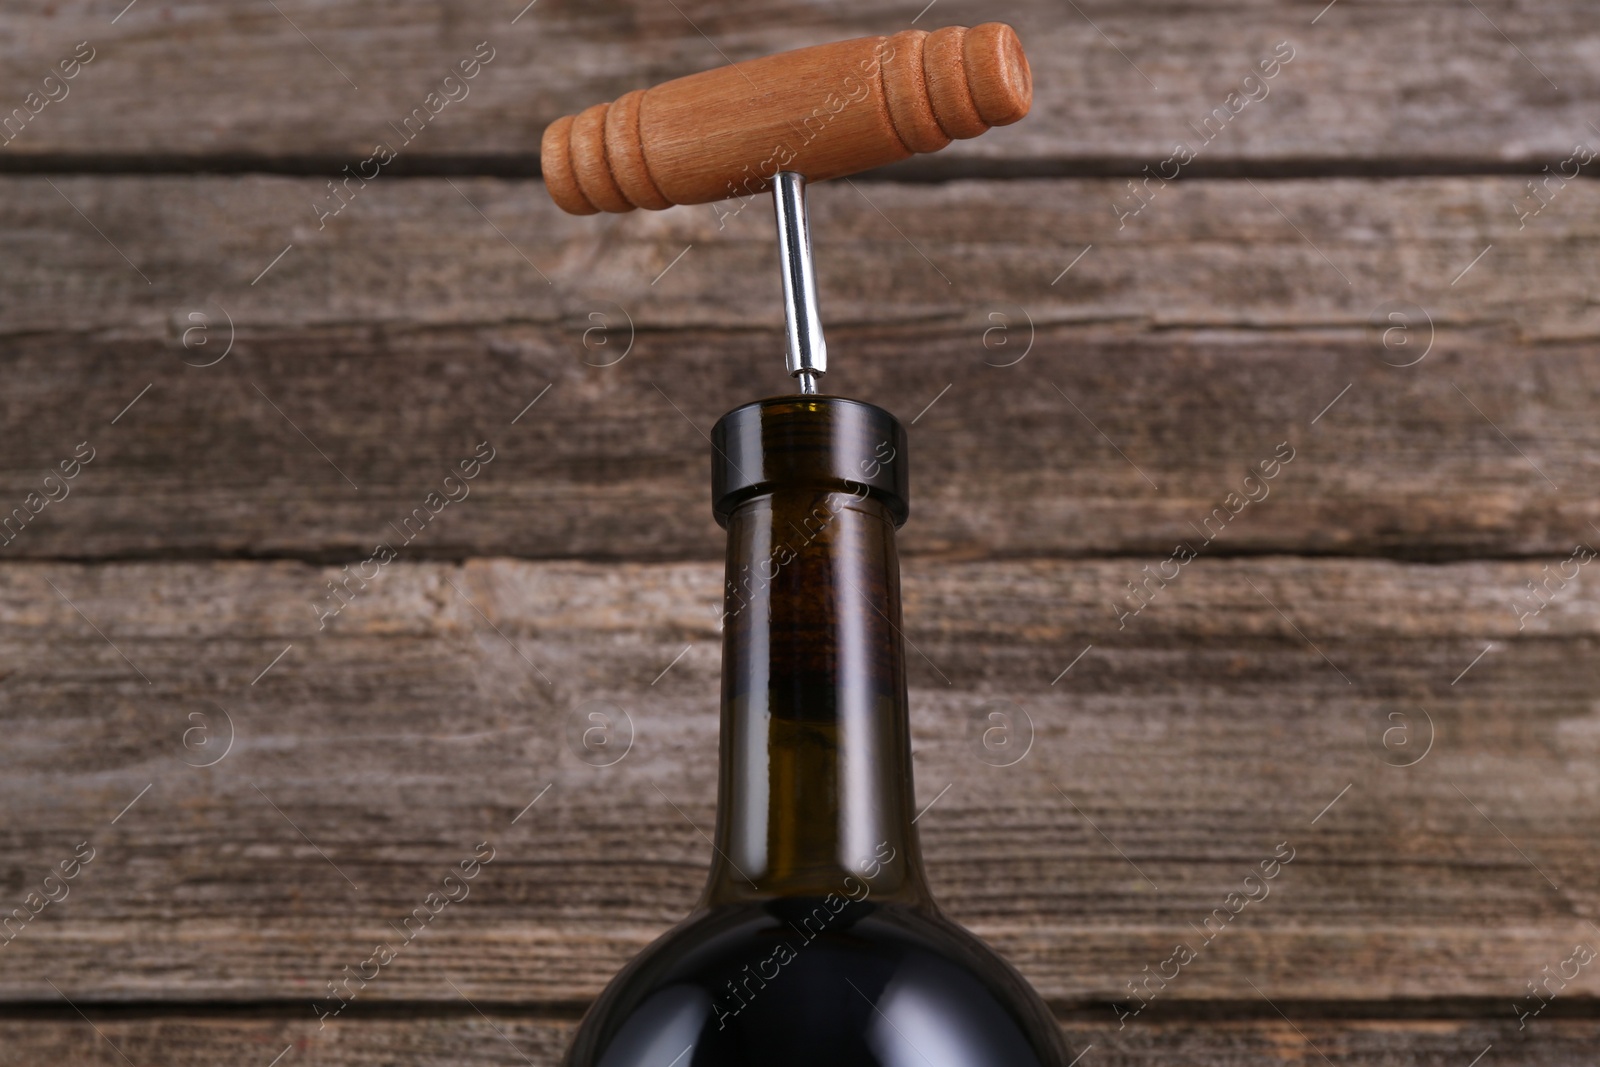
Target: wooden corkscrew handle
824, 112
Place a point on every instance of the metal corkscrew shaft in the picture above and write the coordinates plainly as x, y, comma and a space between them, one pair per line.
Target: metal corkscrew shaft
808, 352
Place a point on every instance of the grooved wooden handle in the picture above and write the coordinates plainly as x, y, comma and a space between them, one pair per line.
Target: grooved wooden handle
826, 111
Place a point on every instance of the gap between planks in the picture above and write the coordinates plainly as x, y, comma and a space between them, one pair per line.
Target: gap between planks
1414, 1010
917, 170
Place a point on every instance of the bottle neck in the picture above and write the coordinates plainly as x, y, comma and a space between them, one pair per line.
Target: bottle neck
815, 791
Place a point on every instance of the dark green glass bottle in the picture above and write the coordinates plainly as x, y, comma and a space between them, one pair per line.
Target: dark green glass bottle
817, 942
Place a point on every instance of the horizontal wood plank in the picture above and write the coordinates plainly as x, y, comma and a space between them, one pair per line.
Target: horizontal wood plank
1416, 82
1251, 703
1104, 409
508, 1038
1318, 257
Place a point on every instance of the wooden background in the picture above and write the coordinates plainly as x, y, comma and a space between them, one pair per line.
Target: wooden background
1344, 669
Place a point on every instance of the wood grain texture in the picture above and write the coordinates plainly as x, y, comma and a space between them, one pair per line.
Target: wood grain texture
824, 112
1419, 81
1175, 333
1181, 349
1319, 257
509, 1038
1251, 704
611, 463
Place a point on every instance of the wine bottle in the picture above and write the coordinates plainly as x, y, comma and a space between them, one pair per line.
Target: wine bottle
817, 941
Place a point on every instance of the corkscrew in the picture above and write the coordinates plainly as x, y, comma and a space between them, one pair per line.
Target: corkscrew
781, 122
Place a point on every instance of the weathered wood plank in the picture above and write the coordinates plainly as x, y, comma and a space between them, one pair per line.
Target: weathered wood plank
515, 1039
611, 463
371, 756
1418, 81
1197, 339
1200, 255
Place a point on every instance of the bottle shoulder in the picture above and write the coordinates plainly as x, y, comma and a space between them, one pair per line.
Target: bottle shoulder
817, 980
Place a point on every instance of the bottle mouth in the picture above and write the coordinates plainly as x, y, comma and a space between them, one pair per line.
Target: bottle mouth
820, 442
